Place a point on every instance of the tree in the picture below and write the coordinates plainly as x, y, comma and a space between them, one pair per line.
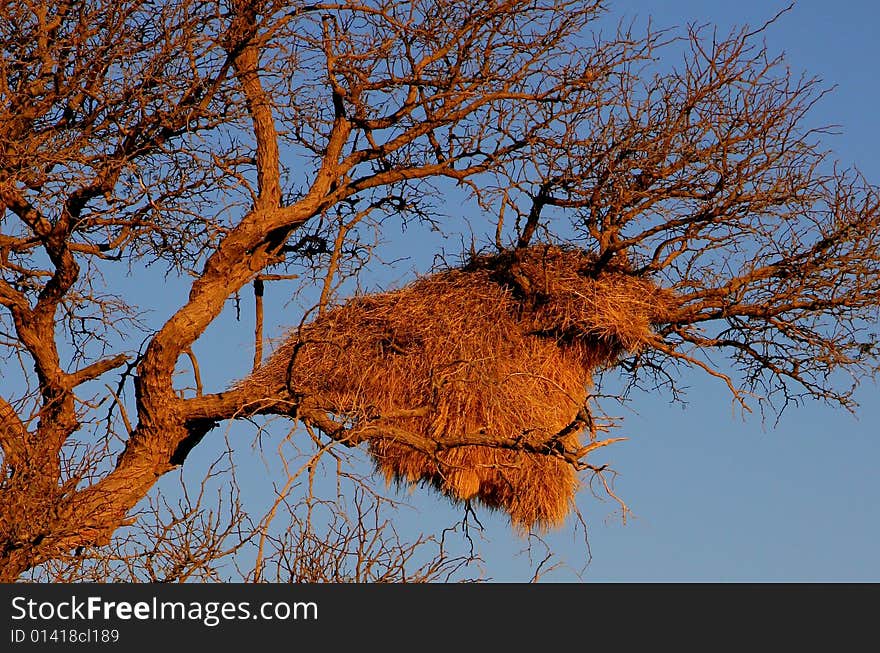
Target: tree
241, 142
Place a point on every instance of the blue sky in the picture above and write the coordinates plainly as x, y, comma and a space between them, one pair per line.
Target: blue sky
720, 498
714, 496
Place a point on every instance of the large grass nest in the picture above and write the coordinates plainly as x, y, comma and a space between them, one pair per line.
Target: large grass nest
502, 349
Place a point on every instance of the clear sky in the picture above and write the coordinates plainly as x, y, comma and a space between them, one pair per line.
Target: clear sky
714, 496
719, 498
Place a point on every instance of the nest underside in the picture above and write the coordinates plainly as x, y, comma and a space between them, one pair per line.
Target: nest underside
487, 350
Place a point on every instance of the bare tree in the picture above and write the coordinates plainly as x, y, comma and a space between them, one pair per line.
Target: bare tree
242, 142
